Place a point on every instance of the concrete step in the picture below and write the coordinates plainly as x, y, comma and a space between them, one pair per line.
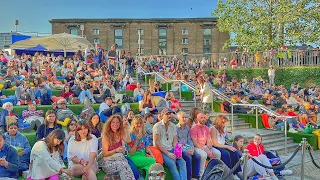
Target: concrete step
239, 126
269, 143
281, 149
251, 132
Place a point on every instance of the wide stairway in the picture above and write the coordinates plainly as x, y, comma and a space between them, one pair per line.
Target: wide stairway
272, 140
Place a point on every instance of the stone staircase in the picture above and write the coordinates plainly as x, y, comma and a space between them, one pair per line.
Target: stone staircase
272, 140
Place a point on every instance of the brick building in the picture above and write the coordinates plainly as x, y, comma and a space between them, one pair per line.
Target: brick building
165, 36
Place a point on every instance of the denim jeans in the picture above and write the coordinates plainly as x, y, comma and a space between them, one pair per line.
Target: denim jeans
173, 165
193, 164
11, 99
38, 93
83, 94
230, 158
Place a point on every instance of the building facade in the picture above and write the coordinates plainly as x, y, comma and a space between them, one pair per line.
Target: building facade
169, 36
5, 40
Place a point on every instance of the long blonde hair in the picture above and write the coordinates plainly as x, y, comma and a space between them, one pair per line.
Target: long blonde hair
151, 85
137, 118
218, 123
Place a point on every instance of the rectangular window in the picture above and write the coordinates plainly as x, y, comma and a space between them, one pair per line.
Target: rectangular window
140, 51
96, 31
184, 41
162, 32
7, 42
162, 42
118, 38
140, 31
1, 38
185, 50
140, 41
8, 38
207, 31
1, 43
162, 51
184, 31
206, 50
74, 31
96, 41
118, 32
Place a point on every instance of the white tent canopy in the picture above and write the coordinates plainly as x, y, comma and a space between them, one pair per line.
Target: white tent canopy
56, 42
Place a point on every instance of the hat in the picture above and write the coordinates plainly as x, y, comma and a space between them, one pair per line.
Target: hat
156, 167
166, 110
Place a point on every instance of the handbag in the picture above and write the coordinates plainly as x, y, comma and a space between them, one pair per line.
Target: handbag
308, 129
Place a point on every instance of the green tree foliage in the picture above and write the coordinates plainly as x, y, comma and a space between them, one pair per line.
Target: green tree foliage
263, 24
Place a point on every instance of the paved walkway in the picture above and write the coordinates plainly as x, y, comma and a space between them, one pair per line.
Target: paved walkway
311, 172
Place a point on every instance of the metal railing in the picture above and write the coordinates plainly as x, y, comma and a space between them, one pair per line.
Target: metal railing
157, 74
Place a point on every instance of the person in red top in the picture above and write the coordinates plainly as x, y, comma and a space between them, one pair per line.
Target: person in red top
256, 150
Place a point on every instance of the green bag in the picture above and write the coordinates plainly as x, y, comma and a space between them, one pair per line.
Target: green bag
308, 129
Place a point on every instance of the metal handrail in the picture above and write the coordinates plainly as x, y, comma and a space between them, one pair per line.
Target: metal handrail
195, 90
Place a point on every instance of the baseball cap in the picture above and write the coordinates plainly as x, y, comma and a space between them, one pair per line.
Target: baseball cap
166, 110
156, 168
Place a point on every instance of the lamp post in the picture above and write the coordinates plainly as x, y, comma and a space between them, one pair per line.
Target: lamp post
139, 43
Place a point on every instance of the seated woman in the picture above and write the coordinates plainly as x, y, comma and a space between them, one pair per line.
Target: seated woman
256, 150
114, 132
138, 91
17, 140
147, 104
95, 127
174, 104
139, 146
69, 79
25, 94
129, 116
218, 132
66, 93
7, 111
97, 92
9, 159
48, 125
82, 153
33, 116
71, 131
157, 87
127, 80
46, 157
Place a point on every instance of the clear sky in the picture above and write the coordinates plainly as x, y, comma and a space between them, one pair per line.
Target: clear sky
33, 15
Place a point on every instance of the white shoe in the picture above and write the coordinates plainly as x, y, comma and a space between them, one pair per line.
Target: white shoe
34, 102
18, 103
93, 101
291, 130
299, 129
286, 172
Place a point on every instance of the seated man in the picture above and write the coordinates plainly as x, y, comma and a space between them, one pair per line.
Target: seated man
25, 93
109, 107
64, 114
138, 91
165, 138
201, 138
9, 161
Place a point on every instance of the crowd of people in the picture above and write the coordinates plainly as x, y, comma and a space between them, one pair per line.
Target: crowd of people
115, 139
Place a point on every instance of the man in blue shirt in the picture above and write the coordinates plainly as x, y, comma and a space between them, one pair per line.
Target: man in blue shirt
8, 159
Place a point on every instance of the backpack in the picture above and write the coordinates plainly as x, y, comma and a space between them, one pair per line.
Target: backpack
216, 170
126, 99
87, 110
46, 99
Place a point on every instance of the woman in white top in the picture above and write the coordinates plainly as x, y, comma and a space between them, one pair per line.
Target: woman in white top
46, 157
206, 94
271, 74
82, 153
218, 132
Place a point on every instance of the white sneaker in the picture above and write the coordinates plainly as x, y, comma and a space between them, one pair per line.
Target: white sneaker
299, 129
34, 102
93, 101
18, 103
274, 178
286, 172
291, 130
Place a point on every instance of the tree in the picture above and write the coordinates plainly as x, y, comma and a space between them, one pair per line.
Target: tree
265, 24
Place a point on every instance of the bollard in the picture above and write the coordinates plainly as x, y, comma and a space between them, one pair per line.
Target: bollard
256, 120
285, 137
231, 117
303, 156
245, 163
167, 86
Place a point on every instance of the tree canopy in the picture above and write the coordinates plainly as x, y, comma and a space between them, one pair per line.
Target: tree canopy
265, 24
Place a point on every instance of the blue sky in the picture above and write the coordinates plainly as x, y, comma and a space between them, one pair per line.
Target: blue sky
34, 16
